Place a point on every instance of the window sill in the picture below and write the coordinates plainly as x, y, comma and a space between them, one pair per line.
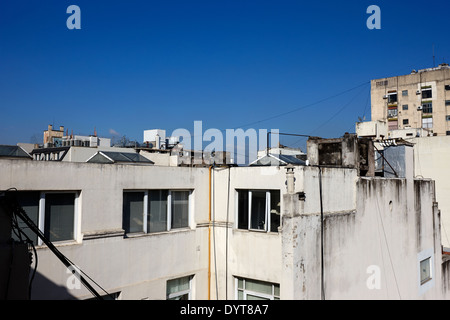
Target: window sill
59, 244
143, 234
273, 233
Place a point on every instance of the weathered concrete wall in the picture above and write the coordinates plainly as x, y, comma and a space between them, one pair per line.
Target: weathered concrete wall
139, 266
383, 240
431, 158
384, 223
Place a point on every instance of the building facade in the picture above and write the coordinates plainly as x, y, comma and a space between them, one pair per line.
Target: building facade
299, 232
420, 100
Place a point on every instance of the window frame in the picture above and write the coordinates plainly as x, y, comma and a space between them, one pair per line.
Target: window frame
267, 209
429, 94
427, 107
392, 113
41, 214
425, 284
171, 296
146, 207
427, 123
246, 292
427, 261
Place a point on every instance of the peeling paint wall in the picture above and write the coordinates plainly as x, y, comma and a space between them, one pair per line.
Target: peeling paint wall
383, 239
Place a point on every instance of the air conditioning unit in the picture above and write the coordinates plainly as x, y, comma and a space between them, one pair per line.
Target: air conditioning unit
418, 92
419, 108
385, 97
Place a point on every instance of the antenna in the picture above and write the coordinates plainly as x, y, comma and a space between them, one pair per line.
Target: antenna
434, 58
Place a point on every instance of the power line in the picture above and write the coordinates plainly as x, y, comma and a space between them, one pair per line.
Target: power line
306, 106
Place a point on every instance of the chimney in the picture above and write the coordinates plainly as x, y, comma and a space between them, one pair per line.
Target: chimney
61, 128
290, 179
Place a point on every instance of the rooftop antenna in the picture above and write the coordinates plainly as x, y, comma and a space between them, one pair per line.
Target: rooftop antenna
434, 58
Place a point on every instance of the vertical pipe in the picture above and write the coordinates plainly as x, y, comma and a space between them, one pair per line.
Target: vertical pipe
209, 238
322, 291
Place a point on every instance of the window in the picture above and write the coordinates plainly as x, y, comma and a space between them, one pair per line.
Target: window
427, 93
155, 210
427, 123
425, 264
248, 289
447, 118
179, 289
53, 213
425, 270
447, 133
447, 87
392, 98
180, 209
392, 113
427, 107
405, 121
447, 102
59, 216
405, 107
133, 211
29, 201
157, 215
405, 93
258, 210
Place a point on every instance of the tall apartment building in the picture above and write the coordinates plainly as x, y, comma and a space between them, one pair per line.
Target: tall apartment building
420, 100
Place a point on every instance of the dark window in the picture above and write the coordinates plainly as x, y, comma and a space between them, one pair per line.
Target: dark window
405, 121
59, 216
427, 94
149, 216
405, 93
427, 107
133, 211
243, 209
180, 209
405, 107
392, 98
157, 216
29, 201
258, 214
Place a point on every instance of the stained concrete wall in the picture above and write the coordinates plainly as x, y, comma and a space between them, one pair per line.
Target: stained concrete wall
138, 267
388, 223
386, 236
431, 158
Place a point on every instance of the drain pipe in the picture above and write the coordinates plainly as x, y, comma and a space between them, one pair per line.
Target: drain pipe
209, 238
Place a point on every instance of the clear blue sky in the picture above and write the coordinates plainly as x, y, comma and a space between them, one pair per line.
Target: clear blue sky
137, 65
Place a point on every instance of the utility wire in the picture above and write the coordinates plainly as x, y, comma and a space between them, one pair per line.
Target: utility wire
305, 106
387, 246
11, 205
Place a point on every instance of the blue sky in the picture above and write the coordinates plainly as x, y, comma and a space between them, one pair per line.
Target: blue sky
138, 65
